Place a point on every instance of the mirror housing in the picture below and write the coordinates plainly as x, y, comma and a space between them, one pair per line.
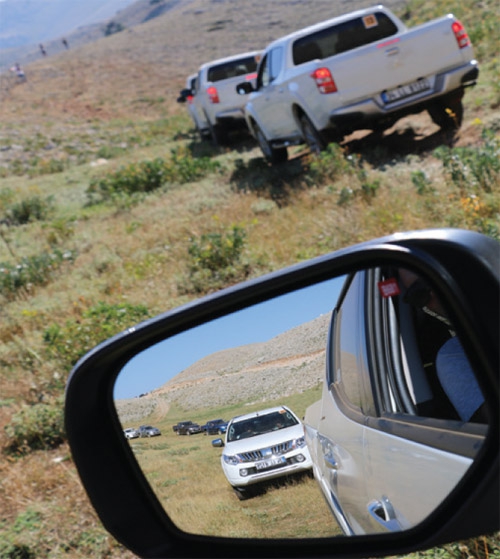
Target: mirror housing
463, 265
217, 443
184, 94
244, 88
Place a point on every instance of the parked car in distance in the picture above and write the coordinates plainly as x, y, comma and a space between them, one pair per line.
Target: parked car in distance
395, 401
263, 445
148, 431
217, 107
131, 433
187, 428
362, 70
214, 427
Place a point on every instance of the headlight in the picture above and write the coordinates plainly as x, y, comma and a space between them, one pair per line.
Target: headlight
299, 443
231, 460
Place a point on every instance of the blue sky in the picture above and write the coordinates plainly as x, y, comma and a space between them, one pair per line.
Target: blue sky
155, 366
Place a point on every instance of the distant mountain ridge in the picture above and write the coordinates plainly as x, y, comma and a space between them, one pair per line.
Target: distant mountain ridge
24, 24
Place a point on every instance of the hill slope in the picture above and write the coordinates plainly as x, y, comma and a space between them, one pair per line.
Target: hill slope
287, 364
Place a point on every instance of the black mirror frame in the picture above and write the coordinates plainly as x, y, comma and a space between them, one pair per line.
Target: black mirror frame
464, 267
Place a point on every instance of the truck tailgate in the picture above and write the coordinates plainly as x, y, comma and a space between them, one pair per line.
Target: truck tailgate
420, 52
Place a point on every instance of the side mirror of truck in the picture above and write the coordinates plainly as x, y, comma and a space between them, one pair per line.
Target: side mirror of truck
244, 88
184, 94
159, 497
218, 443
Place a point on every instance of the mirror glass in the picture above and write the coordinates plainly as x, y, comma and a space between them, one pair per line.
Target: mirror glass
348, 407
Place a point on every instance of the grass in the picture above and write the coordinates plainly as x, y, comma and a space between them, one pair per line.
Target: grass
87, 113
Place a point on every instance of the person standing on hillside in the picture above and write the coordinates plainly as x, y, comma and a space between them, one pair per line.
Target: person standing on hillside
19, 72
42, 50
65, 43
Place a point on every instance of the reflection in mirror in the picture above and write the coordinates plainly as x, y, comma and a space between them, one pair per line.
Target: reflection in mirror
348, 407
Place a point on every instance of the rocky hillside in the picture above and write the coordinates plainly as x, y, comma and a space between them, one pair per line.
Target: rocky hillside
289, 363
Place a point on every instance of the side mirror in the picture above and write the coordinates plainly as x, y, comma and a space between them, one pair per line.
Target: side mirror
342, 341
244, 88
184, 94
217, 443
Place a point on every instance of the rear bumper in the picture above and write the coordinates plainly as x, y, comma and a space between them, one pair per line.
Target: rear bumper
367, 112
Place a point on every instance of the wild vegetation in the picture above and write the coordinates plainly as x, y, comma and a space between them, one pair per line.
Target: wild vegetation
112, 210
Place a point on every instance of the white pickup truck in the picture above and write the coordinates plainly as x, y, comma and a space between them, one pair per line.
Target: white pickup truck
362, 70
215, 107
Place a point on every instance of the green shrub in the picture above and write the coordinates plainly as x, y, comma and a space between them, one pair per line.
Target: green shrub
330, 165
215, 251
30, 209
421, 182
31, 271
475, 169
215, 260
68, 343
36, 427
146, 176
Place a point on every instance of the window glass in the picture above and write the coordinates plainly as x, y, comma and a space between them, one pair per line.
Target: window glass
232, 69
263, 79
276, 62
343, 37
425, 365
348, 334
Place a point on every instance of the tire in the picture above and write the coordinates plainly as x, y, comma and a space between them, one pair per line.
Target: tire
217, 133
311, 136
271, 154
448, 114
242, 493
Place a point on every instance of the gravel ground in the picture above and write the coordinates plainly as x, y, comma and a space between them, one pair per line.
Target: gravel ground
287, 364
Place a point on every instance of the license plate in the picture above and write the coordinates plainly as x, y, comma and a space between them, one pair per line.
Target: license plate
406, 90
265, 464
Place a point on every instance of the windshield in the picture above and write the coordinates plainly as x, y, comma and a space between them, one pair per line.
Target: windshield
259, 425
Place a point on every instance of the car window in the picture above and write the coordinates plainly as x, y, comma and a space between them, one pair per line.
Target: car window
343, 37
349, 347
393, 354
260, 425
232, 69
264, 76
276, 56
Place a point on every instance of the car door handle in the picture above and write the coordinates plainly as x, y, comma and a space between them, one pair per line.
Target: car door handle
383, 512
327, 453
392, 51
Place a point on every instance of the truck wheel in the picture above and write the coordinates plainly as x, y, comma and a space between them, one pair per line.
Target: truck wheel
447, 114
271, 154
217, 133
242, 493
311, 136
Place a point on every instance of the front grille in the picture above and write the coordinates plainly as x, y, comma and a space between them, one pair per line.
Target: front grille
261, 454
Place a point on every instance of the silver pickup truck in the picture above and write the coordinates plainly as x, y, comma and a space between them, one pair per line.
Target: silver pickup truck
362, 70
215, 107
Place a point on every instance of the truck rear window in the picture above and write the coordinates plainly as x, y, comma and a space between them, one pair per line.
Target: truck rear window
232, 69
343, 37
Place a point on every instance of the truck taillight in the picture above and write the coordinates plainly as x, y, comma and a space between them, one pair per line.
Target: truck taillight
213, 94
324, 80
460, 34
